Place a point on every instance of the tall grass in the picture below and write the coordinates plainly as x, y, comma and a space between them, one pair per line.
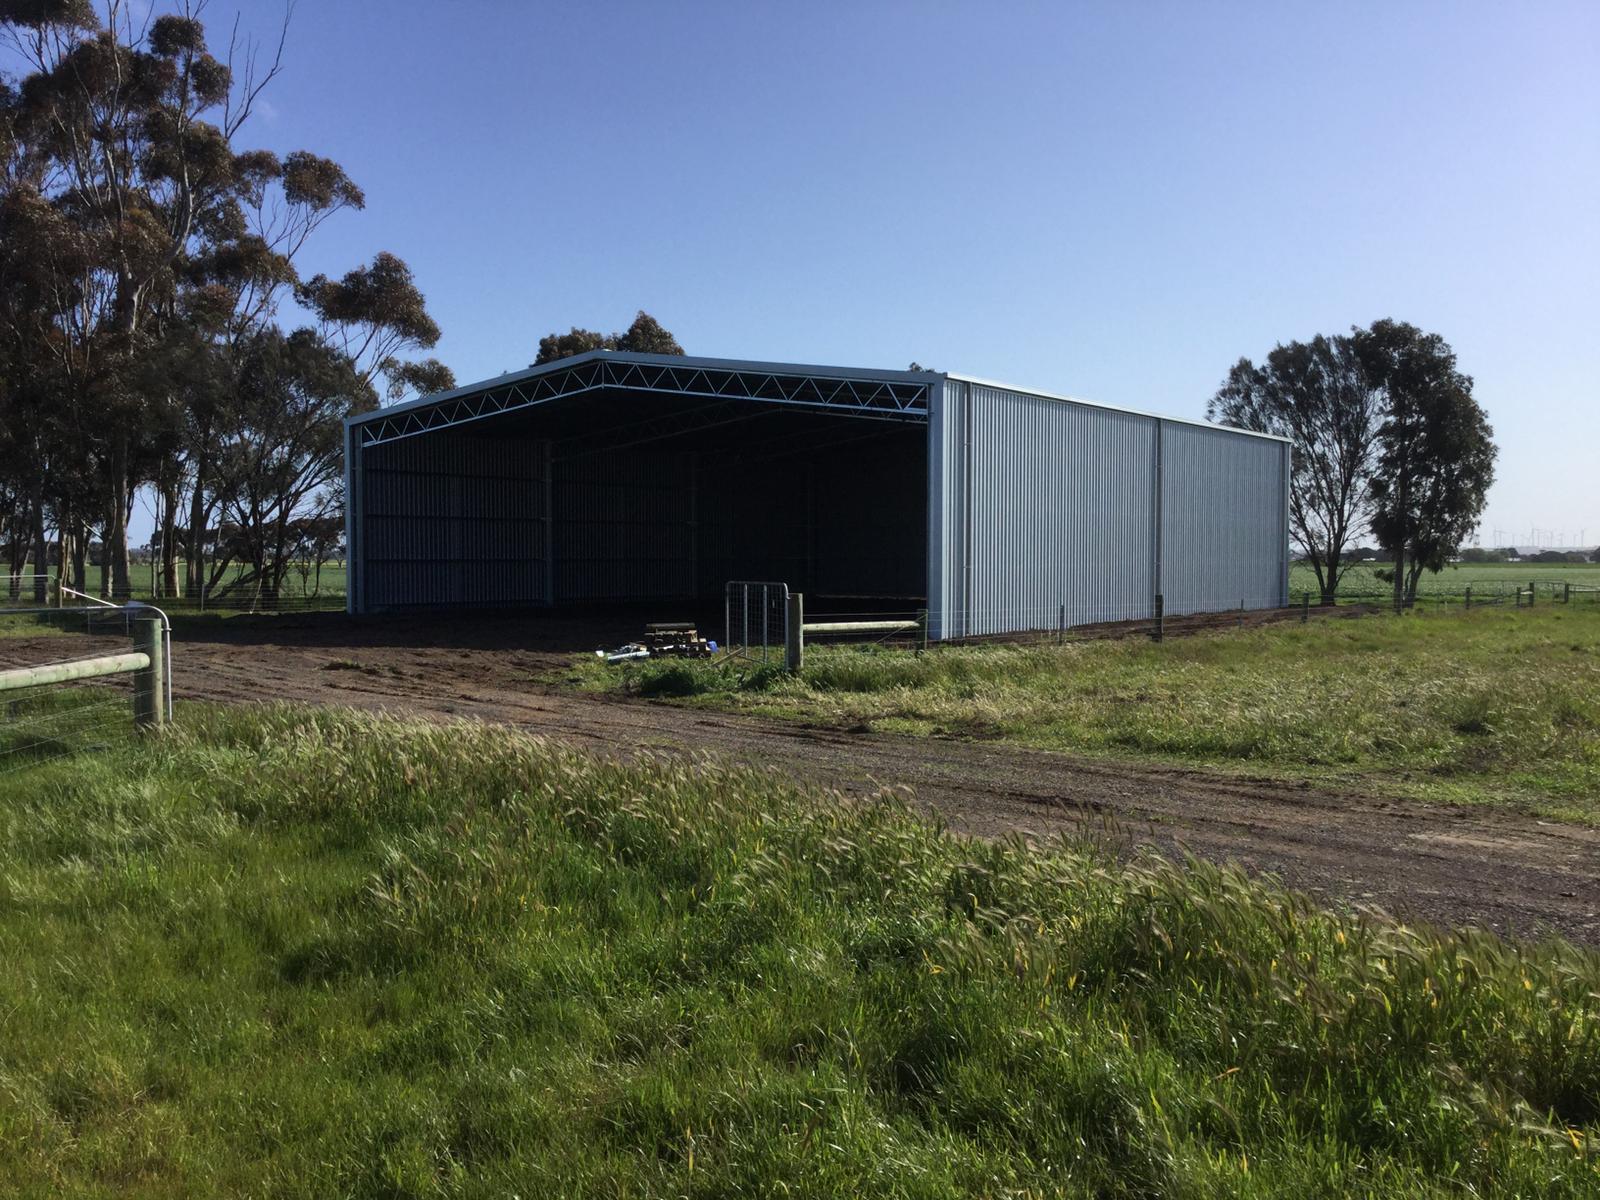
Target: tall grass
1495, 706
304, 952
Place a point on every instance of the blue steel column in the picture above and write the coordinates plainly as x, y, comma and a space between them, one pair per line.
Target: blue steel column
549, 524
1156, 516
353, 551
1288, 476
934, 561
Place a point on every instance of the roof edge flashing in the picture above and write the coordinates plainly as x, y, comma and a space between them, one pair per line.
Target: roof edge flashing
1120, 408
784, 369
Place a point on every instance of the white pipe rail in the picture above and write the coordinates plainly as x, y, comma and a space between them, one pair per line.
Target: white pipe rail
796, 627
861, 626
69, 672
135, 612
147, 664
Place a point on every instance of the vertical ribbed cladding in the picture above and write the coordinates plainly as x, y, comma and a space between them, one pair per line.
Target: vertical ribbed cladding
947, 475
354, 505
865, 516
452, 520
845, 519
1043, 509
1061, 513
625, 526
1224, 540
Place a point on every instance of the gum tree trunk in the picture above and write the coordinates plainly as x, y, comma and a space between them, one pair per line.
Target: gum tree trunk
195, 561
171, 585
80, 556
41, 557
116, 538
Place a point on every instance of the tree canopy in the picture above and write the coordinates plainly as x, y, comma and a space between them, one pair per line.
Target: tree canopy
1317, 394
1436, 452
145, 260
1387, 440
644, 336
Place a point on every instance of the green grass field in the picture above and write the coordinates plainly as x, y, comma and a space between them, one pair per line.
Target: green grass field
331, 588
1498, 706
1485, 579
307, 953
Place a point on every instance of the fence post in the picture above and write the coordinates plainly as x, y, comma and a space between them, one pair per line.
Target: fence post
794, 641
1566, 593
1161, 617
1241, 614
1061, 626
1305, 607
149, 685
1469, 595
922, 630
1530, 593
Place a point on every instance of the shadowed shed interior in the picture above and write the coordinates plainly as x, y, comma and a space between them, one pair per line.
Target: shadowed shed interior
617, 493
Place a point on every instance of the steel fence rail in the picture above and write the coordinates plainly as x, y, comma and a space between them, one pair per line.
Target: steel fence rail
64, 700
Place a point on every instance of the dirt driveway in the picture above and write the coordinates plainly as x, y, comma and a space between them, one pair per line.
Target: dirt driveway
1423, 862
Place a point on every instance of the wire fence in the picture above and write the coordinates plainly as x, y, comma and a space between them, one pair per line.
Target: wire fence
243, 600
891, 625
23, 587
79, 679
1525, 593
296, 594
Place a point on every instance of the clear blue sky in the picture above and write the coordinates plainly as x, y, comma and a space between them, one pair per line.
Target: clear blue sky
1115, 201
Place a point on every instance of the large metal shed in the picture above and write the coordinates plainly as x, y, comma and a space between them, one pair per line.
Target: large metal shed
613, 477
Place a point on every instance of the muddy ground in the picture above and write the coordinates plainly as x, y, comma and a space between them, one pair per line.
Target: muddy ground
1449, 865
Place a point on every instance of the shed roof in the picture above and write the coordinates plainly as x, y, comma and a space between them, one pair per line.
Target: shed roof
856, 391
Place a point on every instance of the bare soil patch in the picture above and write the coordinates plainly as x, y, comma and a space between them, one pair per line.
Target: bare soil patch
1436, 863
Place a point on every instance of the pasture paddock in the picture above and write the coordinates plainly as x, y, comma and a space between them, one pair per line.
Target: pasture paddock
302, 952
1487, 580
1496, 706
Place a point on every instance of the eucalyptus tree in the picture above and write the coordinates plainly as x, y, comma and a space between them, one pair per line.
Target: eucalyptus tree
135, 122
1318, 395
1436, 451
373, 315
645, 336
1387, 439
283, 456
146, 254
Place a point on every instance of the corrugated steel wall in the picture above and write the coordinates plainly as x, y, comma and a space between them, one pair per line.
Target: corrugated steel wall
451, 520
625, 526
1044, 511
1224, 540
866, 518
843, 521
947, 483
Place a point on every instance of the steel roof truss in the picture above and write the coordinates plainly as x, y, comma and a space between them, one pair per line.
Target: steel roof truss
877, 398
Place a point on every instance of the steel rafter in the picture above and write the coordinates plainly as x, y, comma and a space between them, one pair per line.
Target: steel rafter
884, 399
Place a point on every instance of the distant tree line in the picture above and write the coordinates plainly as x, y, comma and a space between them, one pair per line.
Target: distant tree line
146, 258
1509, 554
1387, 439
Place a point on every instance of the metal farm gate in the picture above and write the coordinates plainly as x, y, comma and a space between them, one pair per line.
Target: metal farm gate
756, 619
